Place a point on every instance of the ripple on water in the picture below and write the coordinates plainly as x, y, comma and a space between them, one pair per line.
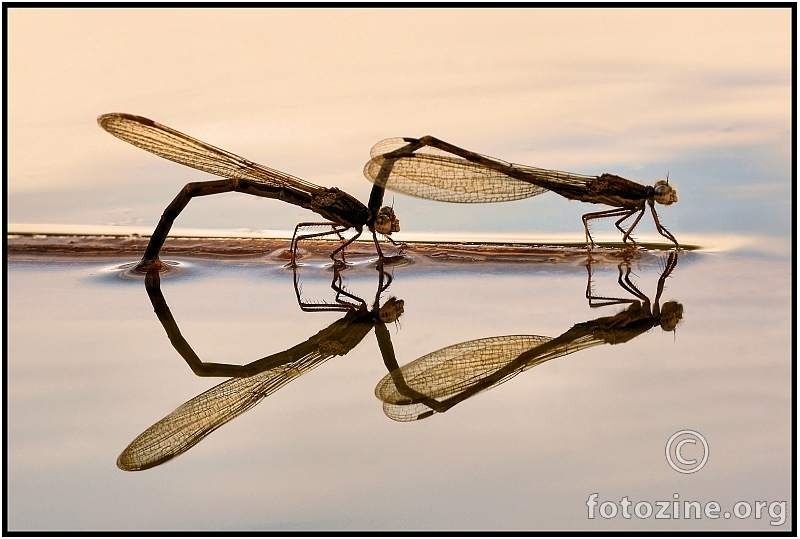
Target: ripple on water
127, 272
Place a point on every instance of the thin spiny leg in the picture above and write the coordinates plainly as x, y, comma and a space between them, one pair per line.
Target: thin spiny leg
296, 237
378, 248
589, 294
337, 285
335, 229
672, 261
342, 247
661, 230
400, 246
597, 215
190, 190
630, 229
626, 235
619, 221
382, 275
314, 307
600, 301
627, 284
382, 287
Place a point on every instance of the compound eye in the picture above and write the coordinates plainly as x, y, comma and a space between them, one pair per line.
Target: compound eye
665, 194
386, 221
383, 225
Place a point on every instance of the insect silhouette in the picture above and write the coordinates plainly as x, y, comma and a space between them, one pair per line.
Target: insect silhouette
433, 169
440, 380
191, 422
341, 209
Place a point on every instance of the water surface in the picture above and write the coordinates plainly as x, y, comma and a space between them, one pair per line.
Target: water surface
92, 367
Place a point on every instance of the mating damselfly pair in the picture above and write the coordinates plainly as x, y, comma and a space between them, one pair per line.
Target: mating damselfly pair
426, 167
431, 384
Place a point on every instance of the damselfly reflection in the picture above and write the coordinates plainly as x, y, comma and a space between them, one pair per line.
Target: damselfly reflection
342, 210
433, 169
197, 418
438, 381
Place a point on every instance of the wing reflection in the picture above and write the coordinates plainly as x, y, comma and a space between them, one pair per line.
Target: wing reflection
438, 381
197, 418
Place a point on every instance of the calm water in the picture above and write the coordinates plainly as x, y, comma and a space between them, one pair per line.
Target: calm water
91, 367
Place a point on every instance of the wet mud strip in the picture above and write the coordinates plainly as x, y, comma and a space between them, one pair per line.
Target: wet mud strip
37, 246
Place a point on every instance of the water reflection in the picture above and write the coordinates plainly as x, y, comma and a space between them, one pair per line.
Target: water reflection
197, 418
433, 383
438, 381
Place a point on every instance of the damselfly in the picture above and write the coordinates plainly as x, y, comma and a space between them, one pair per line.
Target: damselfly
433, 169
191, 422
342, 210
440, 380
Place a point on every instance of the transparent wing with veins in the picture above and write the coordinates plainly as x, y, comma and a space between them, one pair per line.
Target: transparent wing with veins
463, 370
180, 148
436, 174
197, 418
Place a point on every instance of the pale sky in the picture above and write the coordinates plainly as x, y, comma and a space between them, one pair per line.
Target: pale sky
309, 91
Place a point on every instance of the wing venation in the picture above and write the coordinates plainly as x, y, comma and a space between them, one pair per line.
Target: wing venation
446, 178
170, 144
457, 367
188, 424
439, 380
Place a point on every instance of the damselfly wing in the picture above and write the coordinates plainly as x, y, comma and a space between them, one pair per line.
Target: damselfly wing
197, 418
170, 144
438, 381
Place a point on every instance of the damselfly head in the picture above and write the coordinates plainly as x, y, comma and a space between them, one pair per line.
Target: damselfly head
671, 315
386, 221
664, 193
391, 310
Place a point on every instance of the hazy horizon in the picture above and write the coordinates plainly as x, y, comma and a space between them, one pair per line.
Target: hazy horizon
701, 94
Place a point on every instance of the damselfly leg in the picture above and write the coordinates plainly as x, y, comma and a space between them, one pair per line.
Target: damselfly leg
625, 282
602, 301
335, 229
615, 212
661, 230
626, 234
